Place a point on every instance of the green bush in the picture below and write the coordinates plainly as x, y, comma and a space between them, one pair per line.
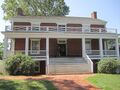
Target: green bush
108, 65
20, 64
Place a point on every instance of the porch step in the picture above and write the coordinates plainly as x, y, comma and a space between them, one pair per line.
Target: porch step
72, 60
68, 66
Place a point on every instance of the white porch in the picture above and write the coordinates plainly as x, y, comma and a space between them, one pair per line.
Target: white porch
85, 61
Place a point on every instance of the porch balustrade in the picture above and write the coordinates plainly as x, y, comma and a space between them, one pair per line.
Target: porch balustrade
95, 54
35, 54
59, 29
109, 53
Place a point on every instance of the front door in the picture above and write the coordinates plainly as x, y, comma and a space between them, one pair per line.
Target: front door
62, 50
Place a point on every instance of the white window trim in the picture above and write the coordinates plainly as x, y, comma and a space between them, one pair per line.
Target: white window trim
31, 45
58, 41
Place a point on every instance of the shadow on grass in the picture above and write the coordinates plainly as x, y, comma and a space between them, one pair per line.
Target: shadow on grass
26, 85
65, 84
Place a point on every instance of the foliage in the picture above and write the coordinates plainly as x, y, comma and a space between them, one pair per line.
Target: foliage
106, 81
1, 51
2, 68
20, 65
26, 85
108, 65
35, 8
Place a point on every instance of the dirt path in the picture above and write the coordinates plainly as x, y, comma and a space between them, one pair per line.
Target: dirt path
62, 82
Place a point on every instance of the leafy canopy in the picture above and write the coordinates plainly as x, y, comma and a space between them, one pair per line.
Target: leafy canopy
35, 8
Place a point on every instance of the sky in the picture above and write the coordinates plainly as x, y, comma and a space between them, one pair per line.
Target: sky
108, 10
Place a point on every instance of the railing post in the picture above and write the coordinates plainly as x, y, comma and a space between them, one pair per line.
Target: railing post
47, 29
47, 55
101, 47
26, 45
100, 29
27, 28
5, 46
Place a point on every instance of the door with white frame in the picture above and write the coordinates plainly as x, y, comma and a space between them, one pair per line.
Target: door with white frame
35, 46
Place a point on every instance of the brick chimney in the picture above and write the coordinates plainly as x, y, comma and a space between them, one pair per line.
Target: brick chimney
94, 15
20, 12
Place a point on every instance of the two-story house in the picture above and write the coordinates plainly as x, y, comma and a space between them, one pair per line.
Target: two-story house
61, 44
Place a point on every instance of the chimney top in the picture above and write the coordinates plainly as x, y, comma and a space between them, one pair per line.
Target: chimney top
20, 12
94, 15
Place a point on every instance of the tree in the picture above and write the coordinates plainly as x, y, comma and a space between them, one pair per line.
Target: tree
1, 51
35, 7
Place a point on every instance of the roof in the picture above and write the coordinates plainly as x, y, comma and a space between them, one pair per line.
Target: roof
61, 18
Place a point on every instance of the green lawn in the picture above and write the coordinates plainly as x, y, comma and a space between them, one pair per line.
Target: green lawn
106, 81
26, 85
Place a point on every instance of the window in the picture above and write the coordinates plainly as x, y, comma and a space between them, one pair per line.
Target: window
35, 46
61, 27
35, 27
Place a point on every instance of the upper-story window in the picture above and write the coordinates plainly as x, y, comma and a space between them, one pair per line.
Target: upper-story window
97, 28
74, 27
35, 27
48, 26
21, 26
61, 27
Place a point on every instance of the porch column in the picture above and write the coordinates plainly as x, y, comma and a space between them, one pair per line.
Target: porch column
5, 47
47, 55
26, 45
13, 46
101, 47
83, 47
117, 47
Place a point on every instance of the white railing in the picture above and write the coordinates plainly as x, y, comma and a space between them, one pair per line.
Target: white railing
93, 53
109, 53
35, 54
60, 29
90, 63
19, 51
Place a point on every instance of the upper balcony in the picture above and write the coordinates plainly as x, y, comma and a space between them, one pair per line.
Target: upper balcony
59, 29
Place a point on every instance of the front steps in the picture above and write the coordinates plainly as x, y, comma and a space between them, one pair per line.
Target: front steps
68, 65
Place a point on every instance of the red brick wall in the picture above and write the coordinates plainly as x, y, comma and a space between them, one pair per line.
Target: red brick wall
95, 44
22, 23
53, 47
48, 24
97, 26
19, 44
42, 44
74, 47
74, 25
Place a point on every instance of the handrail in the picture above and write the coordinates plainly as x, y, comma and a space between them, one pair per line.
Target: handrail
89, 61
60, 29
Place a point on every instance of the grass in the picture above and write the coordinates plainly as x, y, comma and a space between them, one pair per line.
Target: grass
26, 85
106, 81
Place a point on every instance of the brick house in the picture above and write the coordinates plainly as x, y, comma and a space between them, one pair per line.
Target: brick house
61, 45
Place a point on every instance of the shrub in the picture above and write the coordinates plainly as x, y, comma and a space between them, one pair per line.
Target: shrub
20, 64
108, 65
